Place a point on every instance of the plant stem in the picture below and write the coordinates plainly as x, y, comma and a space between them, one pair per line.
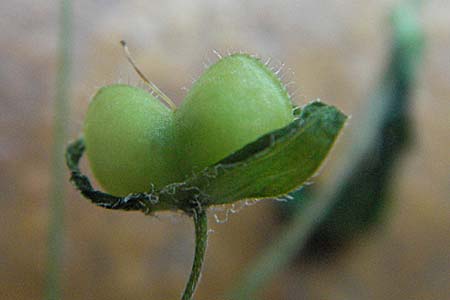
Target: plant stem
201, 239
60, 133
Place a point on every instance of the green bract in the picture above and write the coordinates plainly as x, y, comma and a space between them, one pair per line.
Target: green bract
128, 136
233, 103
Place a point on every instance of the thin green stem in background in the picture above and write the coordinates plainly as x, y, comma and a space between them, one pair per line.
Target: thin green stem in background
405, 57
201, 238
59, 173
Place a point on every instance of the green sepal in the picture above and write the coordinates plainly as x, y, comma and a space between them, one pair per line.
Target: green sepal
278, 162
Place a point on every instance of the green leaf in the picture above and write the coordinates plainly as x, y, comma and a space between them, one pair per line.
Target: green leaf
276, 163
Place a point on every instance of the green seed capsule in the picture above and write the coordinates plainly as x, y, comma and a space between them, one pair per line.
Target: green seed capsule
133, 141
234, 102
128, 136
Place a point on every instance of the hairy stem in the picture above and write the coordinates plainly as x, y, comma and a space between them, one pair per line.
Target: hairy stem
201, 238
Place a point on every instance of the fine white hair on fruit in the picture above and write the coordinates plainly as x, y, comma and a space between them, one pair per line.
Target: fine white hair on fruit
279, 69
219, 56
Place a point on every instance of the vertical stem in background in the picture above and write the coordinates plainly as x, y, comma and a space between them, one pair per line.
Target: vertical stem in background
201, 238
405, 56
60, 133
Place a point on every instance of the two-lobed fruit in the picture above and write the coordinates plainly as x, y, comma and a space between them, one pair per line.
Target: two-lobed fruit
134, 141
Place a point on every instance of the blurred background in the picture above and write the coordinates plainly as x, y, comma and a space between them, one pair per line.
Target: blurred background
332, 50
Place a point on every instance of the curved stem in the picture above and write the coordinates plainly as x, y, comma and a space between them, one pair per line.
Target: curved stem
201, 238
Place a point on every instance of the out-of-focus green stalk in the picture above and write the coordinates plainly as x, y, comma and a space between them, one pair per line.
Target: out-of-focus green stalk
405, 57
60, 133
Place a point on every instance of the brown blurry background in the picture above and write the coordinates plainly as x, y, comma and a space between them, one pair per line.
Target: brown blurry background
333, 50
